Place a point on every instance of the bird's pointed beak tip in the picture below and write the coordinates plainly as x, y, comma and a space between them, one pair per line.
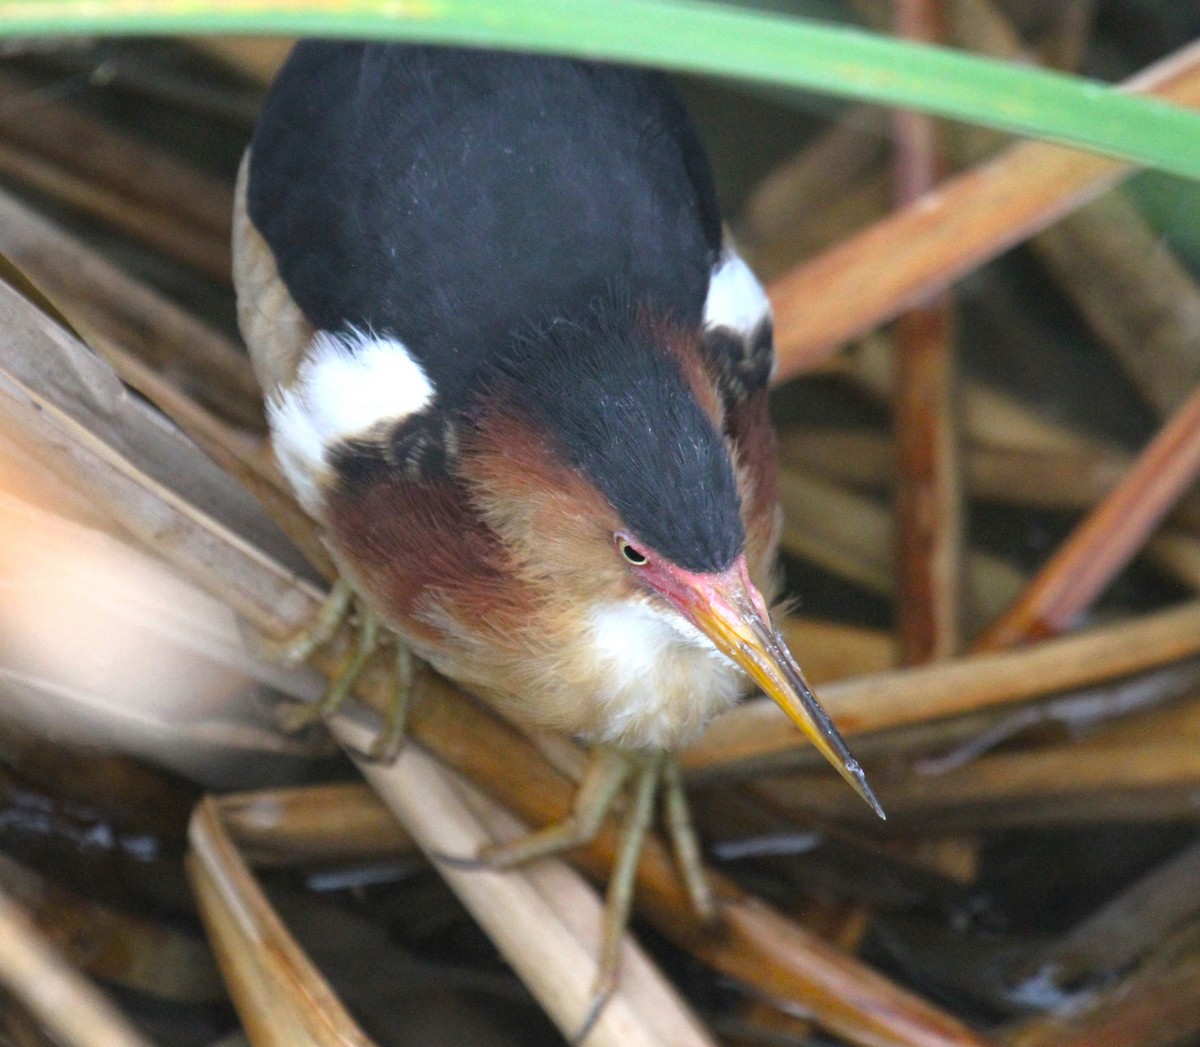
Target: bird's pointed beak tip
863, 788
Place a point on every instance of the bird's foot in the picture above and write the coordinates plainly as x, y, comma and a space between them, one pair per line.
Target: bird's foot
609, 770
341, 607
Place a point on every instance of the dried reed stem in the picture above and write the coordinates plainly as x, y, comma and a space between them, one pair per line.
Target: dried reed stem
1063, 46
852, 536
147, 956
255, 57
754, 944
833, 651
543, 918
1158, 1005
1157, 762
1139, 299
1134, 293
313, 823
1103, 544
162, 520
1035, 479
160, 232
989, 416
928, 498
245, 457
31, 118
809, 202
1177, 555
280, 996
1126, 927
64, 1002
98, 297
924, 247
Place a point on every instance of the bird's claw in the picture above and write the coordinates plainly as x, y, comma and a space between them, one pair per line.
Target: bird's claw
385, 748
602, 992
295, 718
466, 862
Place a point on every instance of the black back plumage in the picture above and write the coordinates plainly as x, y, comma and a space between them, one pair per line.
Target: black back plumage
448, 197
464, 201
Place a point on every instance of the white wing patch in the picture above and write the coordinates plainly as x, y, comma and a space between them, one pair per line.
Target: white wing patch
735, 299
351, 384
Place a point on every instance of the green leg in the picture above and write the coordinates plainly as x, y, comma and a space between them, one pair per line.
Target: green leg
684, 842
386, 746
317, 633
607, 771
620, 887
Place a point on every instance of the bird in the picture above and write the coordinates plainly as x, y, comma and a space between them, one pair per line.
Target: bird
517, 372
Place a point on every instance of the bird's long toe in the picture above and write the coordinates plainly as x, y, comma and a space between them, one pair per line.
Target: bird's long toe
299, 647
607, 772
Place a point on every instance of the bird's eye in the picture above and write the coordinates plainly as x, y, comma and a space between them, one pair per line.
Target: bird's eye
634, 556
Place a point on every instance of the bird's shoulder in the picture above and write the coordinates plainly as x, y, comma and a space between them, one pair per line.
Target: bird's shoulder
363, 405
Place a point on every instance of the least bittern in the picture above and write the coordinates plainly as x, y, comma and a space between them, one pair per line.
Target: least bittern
519, 376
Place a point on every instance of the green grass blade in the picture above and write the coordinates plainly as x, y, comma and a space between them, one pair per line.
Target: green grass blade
695, 37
